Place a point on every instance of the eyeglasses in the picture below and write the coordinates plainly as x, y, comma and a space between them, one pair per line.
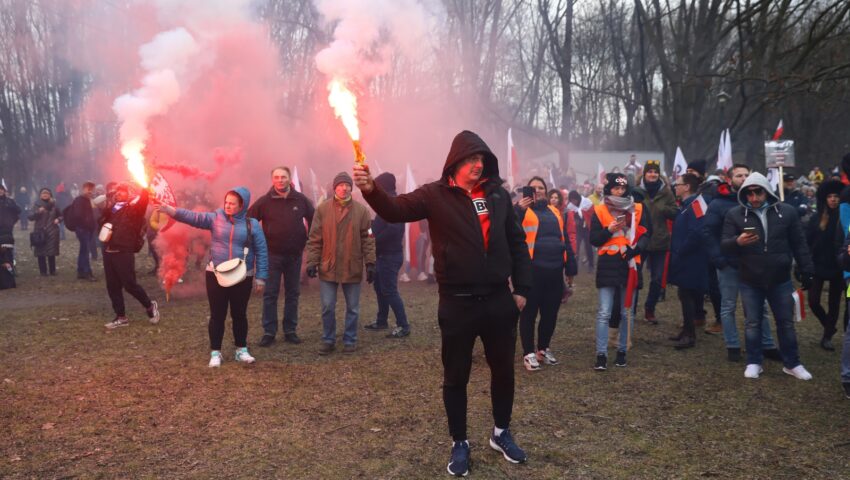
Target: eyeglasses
678, 185
754, 191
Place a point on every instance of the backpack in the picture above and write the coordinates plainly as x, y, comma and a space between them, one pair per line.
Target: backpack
68, 218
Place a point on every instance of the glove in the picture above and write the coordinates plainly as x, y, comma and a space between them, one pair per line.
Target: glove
370, 273
630, 253
806, 281
313, 271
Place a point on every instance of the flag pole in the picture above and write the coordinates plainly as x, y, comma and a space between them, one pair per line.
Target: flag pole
781, 185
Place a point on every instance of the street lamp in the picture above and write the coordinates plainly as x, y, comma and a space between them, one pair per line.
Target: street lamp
722, 98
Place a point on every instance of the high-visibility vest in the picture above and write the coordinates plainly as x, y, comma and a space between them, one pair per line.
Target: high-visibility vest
530, 222
618, 243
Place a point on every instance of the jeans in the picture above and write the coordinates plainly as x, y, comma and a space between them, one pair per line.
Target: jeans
386, 290
290, 267
782, 305
327, 292
83, 262
606, 306
655, 263
728, 279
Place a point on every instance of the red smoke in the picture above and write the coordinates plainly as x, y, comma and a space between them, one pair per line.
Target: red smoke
222, 157
173, 246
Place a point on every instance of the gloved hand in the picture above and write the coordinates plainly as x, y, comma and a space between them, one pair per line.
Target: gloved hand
806, 281
313, 271
370, 273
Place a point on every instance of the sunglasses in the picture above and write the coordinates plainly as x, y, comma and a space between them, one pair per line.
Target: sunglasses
754, 191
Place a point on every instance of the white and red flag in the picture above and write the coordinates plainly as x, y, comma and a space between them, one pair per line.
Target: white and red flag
600, 173
411, 230
700, 206
724, 151
799, 305
513, 161
295, 182
163, 194
779, 130
679, 164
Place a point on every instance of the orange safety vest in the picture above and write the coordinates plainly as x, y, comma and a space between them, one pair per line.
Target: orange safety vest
618, 242
530, 222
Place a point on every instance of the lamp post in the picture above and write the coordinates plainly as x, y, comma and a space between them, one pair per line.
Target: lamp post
722, 98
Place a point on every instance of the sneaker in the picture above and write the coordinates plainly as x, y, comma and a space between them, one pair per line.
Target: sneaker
422, 276
376, 326
621, 359
266, 341
601, 362
459, 463
826, 344
326, 348
505, 443
243, 356
846, 389
349, 348
153, 312
546, 357
799, 372
118, 322
753, 371
405, 278
215, 359
714, 328
399, 332
291, 338
733, 354
530, 362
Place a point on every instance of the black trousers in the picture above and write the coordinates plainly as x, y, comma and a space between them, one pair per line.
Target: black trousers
120, 271
220, 298
462, 319
836, 289
44, 261
691, 301
544, 298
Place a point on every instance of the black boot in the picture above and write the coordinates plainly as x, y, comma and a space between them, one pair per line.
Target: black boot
687, 340
678, 336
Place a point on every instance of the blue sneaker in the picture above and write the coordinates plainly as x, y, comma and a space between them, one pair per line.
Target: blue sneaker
505, 443
459, 464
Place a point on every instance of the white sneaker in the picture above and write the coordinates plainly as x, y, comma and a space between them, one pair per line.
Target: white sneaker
546, 357
753, 370
118, 322
404, 278
215, 359
243, 356
799, 371
530, 362
422, 276
153, 313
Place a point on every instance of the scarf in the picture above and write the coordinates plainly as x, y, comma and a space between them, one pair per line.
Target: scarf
652, 187
342, 202
619, 205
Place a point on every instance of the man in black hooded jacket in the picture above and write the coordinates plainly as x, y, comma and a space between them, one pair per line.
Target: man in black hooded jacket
477, 245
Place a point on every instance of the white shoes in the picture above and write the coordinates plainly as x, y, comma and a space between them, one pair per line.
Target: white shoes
546, 357
422, 276
404, 277
799, 372
215, 359
753, 370
530, 362
243, 356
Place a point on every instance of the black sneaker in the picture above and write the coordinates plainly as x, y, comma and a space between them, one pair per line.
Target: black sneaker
459, 464
601, 362
266, 341
733, 354
846, 389
621, 359
505, 443
826, 344
291, 338
772, 354
376, 326
398, 332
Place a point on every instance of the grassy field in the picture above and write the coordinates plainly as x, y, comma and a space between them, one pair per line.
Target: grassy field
79, 401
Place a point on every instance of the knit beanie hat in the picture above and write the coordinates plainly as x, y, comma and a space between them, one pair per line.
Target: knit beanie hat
699, 166
652, 165
343, 177
615, 180
386, 181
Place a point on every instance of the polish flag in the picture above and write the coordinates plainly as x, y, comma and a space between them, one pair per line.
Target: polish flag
679, 164
411, 230
799, 305
724, 151
600, 173
778, 133
700, 206
296, 180
513, 161
314, 185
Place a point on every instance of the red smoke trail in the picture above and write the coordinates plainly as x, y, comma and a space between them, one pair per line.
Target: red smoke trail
221, 156
173, 247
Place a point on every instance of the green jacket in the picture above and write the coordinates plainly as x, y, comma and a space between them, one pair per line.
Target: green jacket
661, 208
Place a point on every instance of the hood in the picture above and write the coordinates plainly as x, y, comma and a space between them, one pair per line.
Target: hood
246, 200
757, 179
467, 143
386, 181
826, 188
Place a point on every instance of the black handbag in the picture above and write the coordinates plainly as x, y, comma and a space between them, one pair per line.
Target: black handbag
38, 238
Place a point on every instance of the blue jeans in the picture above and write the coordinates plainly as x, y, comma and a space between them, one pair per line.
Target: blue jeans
728, 280
83, 262
845, 351
386, 289
606, 306
782, 305
290, 267
655, 262
351, 291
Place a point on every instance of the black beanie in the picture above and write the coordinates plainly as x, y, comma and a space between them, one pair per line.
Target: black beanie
342, 177
698, 166
615, 180
386, 181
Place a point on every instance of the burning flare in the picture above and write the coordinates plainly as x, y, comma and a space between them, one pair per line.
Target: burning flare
132, 151
344, 103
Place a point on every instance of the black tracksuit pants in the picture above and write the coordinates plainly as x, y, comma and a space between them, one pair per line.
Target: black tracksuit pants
462, 319
120, 271
545, 298
220, 298
828, 320
691, 301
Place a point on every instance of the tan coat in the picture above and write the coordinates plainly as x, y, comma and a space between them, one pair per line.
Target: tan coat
340, 242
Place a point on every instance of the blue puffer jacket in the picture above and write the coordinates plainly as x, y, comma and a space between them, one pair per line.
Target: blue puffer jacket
712, 228
221, 225
688, 258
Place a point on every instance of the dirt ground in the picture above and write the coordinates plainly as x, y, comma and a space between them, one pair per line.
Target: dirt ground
79, 401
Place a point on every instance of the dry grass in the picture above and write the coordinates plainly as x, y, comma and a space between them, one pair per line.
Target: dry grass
80, 401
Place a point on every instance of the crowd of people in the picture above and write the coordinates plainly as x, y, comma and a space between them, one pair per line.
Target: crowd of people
504, 261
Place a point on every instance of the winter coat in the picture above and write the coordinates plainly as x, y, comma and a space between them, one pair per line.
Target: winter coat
825, 245
45, 222
712, 227
389, 237
82, 213
224, 227
128, 225
662, 207
461, 264
10, 213
340, 242
766, 263
688, 259
283, 220
613, 270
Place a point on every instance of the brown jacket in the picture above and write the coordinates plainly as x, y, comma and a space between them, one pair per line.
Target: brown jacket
340, 242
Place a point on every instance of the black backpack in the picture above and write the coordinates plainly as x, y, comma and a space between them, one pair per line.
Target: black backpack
68, 218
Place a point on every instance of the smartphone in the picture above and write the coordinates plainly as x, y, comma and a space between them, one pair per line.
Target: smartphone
750, 230
528, 192
620, 218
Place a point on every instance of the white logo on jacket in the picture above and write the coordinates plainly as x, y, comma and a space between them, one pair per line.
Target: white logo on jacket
480, 205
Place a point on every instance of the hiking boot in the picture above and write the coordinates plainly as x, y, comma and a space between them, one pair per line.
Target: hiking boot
687, 341
153, 312
753, 370
120, 321
649, 316
459, 463
546, 357
399, 332
215, 359
376, 326
291, 338
349, 348
799, 372
601, 362
504, 443
826, 344
733, 354
266, 341
846, 387
243, 356
714, 328
621, 359
326, 348
530, 362
772, 354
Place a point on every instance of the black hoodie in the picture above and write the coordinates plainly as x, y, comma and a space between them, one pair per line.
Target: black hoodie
461, 264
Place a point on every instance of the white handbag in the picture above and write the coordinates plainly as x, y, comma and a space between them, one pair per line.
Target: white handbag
230, 272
